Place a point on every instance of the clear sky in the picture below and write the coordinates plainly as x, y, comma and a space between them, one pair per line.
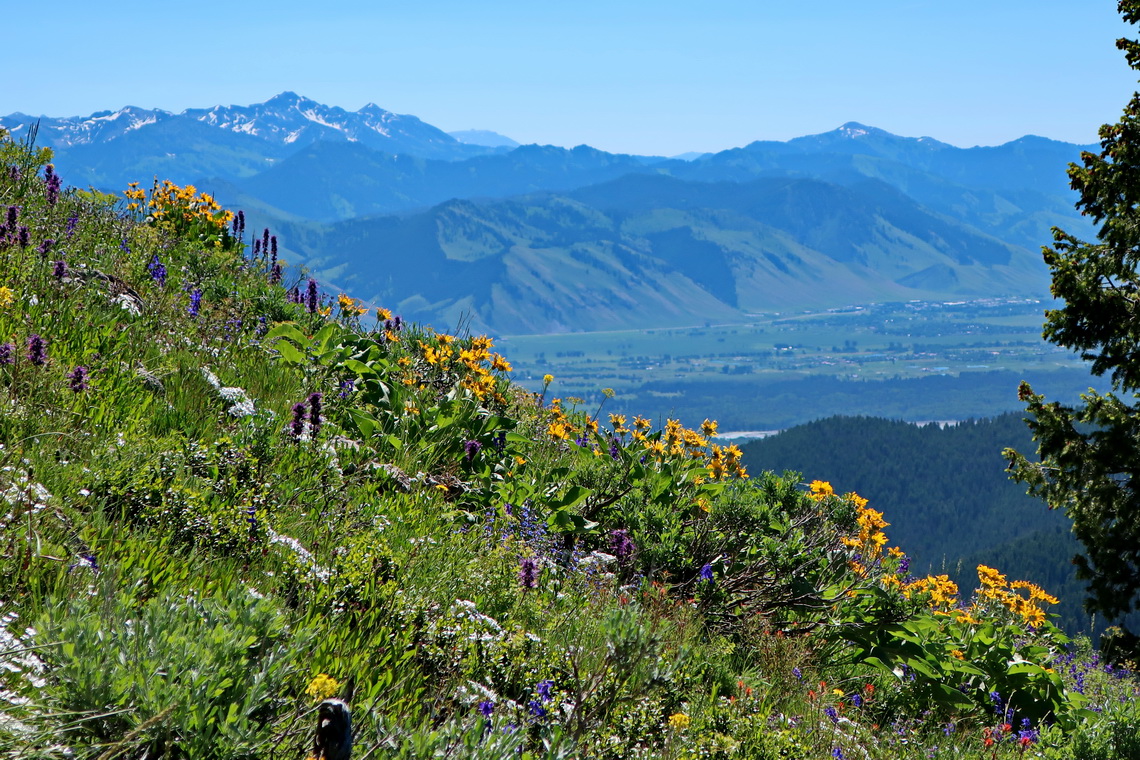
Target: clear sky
659, 77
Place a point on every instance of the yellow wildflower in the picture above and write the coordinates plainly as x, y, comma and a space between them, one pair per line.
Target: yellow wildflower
547, 379
679, 721
708, 427
958, 653
7, 297
821, 489
322, 687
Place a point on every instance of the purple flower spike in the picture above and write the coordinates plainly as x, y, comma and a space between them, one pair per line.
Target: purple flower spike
706, 573
528, 572
37, 350
315, 412
78, 378
6, 350
620, 544
297, 427
472, 448
59, 270
157, 271
312, 296
195, 302
71, 222
51, 183
486, 707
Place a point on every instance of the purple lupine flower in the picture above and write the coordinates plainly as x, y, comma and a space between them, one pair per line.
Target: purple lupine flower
904, 565
399, 323
615, 447
312, 296
857, 699
195, 302
346, 387
543, 689
832, 713
234, 227
837, 753
125, 247
315, 413
45, 246
37, 350
71, 222
59, 270
273, 250
78, 378
536, 709
157, 271
6, 350
297, 426
500, 442
620, 544
275, 273
265, 242
486, 707
241, 224
14, 173
23, 236
256, 248
798, 674
706, 573
13, 217
472, 448
528, 573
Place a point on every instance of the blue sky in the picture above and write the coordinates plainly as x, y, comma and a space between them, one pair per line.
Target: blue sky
647, 77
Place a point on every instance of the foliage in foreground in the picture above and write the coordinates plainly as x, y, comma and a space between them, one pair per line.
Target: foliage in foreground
226, 499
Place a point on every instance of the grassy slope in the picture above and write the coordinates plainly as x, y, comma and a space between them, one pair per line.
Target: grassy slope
184, 551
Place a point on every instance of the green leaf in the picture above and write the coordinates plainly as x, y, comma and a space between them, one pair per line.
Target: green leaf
290, 353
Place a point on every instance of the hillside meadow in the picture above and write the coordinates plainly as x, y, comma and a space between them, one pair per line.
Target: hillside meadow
230, 496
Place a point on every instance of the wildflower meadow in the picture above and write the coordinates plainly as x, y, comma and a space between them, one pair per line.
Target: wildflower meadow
230, 495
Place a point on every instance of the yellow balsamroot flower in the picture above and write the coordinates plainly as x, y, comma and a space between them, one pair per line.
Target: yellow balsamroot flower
679, 721
547, 379
322, 687
708, 427
383, 314
559, 431
500, 364
990, 577
350, 306
7, 297
821, 489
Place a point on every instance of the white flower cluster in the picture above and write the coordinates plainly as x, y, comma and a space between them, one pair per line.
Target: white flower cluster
239, 404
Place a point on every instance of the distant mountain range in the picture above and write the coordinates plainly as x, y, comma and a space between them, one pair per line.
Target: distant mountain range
471, 226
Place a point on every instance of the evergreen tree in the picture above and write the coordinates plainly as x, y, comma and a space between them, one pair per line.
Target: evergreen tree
1089, 454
